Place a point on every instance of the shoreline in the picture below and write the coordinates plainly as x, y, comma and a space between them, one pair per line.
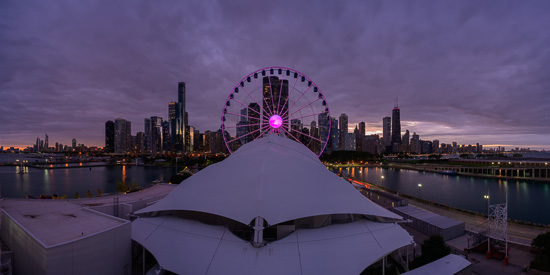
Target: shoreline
520, 232
433, 169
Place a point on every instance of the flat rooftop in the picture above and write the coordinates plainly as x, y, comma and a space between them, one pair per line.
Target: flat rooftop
155, 191
54, 222
427, 216
448, 265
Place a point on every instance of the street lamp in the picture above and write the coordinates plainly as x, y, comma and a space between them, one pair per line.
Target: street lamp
420, 190
488, 235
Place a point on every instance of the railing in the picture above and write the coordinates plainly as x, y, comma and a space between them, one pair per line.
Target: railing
5, 267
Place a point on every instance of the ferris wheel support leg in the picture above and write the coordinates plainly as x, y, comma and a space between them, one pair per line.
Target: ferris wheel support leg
488, 247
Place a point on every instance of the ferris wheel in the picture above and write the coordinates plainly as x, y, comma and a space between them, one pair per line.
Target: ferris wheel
276, 100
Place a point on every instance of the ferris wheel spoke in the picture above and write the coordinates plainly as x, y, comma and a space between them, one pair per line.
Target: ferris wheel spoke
305, 116
294, 103
266, 130
248, 107
271, 91
237, 138
305, 106
306, 135
269, 113
228, 113
245, 125
280, 92
290, 135
289, 94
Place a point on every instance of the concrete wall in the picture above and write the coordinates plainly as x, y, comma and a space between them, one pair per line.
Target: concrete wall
29, 254
106, 252
448, 233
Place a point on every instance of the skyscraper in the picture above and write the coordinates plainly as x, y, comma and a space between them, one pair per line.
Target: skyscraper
435, 146
139, 142
360, 136
166, 139
386, 131
190, 139
172, 109
395, 127
147, 135
242, 126
296, 128
180, 123
343, 126
109, 137
334, 134
405, 141
357, 139
362, 127
156, 134
275, 98
244, 114
253, 121
415, 144
122, 136
46, 143
323, 119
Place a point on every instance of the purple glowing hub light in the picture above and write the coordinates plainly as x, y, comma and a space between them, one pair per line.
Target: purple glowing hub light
275, 121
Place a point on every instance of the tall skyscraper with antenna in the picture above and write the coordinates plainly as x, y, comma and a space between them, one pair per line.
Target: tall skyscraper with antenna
395, 127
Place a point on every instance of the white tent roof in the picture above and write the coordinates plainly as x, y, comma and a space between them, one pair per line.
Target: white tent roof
448, 265
272, 177
335, 249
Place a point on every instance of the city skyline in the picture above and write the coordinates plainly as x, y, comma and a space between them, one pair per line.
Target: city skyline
467, 72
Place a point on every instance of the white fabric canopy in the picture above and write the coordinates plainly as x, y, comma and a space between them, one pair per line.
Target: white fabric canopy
272, 177
190, 247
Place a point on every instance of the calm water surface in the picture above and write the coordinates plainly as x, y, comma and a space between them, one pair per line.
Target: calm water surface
71, 180
527, 200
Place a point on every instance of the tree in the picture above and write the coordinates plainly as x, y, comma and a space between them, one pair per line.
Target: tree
76, 195
99, 192
88, 194
542, 242
121, 187
542, 260
432, 249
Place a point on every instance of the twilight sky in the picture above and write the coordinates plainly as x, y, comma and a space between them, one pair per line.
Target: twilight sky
465, 71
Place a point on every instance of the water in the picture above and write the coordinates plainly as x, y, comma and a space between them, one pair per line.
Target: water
71, 180
527, 200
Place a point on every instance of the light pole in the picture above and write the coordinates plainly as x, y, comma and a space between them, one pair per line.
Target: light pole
420, 190
382, 180
488, 233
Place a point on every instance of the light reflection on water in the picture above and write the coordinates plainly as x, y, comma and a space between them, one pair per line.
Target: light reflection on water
68, 181
527, 201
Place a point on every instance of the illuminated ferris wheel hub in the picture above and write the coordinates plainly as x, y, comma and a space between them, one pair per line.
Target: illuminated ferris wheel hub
275, 121
276, 100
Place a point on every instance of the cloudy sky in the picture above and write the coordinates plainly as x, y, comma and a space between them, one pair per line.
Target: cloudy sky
465, 71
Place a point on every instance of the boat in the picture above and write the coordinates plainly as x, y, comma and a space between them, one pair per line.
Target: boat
157, 181
448, 172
